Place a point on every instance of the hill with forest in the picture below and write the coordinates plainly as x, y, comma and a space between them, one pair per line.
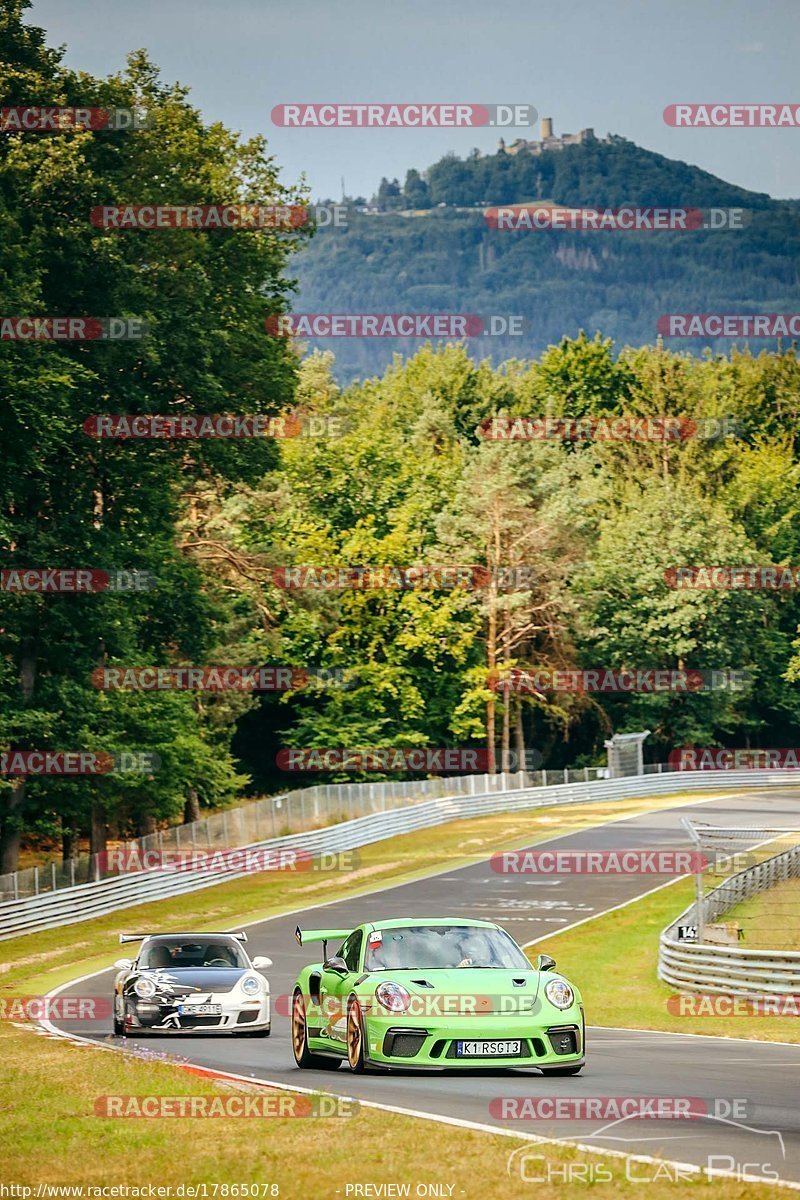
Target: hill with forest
426, 246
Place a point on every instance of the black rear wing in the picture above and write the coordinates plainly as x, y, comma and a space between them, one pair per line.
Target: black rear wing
240, 935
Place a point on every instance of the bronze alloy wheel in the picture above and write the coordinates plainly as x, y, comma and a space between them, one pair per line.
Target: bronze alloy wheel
298, 1027
302, 1055
355, 1037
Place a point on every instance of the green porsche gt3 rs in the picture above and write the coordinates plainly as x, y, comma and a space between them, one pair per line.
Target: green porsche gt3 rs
433, 993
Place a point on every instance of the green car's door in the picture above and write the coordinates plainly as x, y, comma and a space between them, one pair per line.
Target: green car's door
335, 987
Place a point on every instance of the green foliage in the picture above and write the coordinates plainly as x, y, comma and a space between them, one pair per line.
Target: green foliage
68, 501
598, 523
449, 260
409, 481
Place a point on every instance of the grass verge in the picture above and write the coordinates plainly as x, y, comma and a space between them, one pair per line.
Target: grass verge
771, 919
615, 958
50, 1135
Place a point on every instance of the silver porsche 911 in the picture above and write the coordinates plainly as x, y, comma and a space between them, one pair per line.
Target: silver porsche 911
191, 983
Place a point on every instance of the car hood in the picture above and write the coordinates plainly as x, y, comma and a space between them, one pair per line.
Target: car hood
467, 990
177, 981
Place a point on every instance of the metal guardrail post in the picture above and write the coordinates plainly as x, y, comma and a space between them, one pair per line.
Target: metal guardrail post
698, 880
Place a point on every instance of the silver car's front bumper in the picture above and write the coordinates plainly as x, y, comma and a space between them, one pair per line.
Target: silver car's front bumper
238, 1014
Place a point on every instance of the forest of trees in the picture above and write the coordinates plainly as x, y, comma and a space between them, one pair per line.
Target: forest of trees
447, 259
408, 480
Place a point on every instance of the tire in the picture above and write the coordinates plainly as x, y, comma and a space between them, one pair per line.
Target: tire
119, 1026
302, 1055
355, 1037
573, 1070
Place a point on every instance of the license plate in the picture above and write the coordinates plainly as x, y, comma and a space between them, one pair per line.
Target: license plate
509, 1049
200, 1010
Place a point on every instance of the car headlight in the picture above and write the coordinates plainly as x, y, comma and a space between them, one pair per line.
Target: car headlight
251, 986
559, 993
144, 987
393, 997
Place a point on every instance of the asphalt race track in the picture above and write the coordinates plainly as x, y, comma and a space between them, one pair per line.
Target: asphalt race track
620, 1063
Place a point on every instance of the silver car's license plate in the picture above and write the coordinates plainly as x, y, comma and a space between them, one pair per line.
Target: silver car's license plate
507, 1049
200, 1010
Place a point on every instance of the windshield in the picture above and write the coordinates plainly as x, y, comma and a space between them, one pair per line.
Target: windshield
173, 953
427, 947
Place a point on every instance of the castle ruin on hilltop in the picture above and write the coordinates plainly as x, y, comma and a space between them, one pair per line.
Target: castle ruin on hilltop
549, 141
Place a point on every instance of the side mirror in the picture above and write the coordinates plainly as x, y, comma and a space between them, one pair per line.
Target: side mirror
335, 964
545, 963
261, 962
124, 964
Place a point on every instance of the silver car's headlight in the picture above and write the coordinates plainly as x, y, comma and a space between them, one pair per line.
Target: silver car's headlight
144, 987
251, 985
559, 993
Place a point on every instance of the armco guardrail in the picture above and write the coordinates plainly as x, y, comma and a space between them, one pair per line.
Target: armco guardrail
732, 970
88, 900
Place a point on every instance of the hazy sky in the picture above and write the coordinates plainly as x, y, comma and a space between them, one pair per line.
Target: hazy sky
612, 65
